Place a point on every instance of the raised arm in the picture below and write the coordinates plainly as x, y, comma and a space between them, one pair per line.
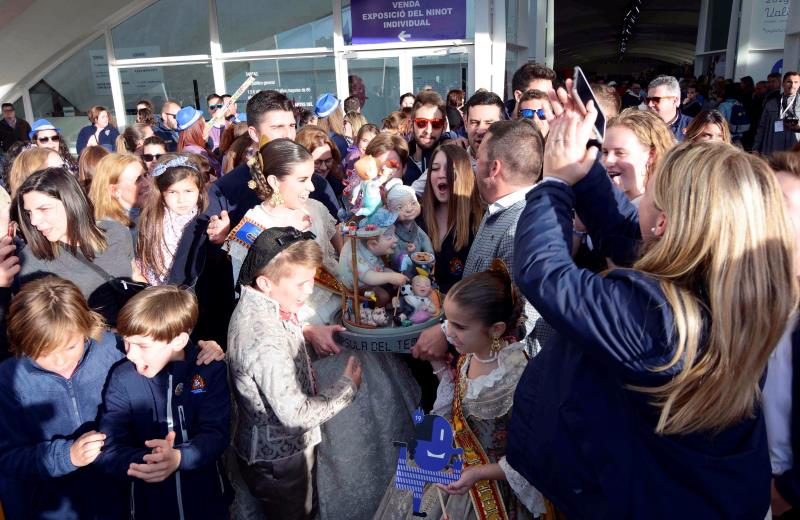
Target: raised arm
116, 421
274, 372
606, 315
612, 220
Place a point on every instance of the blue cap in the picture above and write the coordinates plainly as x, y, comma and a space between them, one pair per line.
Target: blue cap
187, 116
325, 105
41, 124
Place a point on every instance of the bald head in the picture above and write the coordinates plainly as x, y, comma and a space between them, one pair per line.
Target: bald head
168, 111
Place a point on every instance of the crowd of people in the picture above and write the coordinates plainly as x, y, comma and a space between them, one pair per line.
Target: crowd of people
619, 325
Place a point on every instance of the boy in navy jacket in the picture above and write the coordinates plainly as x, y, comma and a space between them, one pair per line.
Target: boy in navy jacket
166, 420
50, 393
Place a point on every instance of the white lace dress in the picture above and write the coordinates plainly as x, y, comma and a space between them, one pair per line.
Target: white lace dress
487, 406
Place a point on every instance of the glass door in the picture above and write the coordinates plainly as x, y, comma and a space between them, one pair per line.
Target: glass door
377, 81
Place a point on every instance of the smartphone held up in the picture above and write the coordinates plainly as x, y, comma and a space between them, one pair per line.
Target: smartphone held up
582, 91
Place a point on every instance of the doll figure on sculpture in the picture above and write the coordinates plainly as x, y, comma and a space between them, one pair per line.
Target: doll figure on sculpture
374, 238
402, 200
373, 175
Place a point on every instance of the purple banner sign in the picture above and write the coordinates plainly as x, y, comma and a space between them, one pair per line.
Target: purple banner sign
382, 21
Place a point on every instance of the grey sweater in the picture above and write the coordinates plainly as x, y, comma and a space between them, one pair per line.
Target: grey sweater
115, 260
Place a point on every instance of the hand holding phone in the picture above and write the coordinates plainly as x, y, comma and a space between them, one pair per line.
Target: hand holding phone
582, 92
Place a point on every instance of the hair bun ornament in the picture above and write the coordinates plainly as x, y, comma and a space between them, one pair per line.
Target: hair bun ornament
181, 160
500, 267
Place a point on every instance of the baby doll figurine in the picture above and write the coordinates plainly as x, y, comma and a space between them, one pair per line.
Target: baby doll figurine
373, 176
420, 299
402, 200
374, 238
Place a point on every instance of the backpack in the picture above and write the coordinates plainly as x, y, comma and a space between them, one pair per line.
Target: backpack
739, 120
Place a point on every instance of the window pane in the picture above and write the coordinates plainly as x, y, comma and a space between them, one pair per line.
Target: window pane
512, 16
19, 108
512, 55
68, 91
158, 84
381, 81
311, 26
347, 22
302, 79
166, 28
441, 73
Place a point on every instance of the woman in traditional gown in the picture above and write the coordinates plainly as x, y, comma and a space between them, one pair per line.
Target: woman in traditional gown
355, 461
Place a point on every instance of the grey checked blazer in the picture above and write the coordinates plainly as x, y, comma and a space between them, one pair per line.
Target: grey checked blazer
495, 239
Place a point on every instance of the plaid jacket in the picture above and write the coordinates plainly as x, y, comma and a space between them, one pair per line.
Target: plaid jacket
495, 239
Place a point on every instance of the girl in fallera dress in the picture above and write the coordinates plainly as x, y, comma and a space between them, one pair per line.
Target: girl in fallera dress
477, 399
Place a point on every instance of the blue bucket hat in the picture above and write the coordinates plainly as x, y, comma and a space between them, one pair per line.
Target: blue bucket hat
325, 105
41, 124
187, 116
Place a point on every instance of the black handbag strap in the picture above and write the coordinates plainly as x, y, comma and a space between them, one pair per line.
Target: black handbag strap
94, 267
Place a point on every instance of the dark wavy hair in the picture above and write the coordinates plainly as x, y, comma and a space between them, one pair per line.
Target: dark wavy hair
82, 232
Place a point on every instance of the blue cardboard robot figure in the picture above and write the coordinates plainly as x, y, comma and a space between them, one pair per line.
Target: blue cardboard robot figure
431, 450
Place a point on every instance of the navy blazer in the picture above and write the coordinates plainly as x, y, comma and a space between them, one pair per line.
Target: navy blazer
578, 434
232, 194
788, 483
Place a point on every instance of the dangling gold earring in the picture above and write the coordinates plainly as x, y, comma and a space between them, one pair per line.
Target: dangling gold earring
496, 345
276, 199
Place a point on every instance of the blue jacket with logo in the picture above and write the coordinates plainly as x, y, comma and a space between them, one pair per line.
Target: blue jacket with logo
578, 433
41, 414
194, 402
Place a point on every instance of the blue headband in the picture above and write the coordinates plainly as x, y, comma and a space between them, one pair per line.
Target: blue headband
181, 160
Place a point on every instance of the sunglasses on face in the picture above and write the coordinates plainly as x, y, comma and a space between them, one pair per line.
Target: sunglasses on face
657, 99
422, 123
528, 113
319, 162
215, 107
54, 138
150, 157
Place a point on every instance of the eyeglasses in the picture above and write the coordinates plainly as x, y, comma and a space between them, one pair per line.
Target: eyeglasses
54, 138
657, 99
150, 157
328, 162
528, 113
215, 107
422, 123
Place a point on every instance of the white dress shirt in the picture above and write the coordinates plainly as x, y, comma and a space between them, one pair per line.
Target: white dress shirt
509, 200
778, 402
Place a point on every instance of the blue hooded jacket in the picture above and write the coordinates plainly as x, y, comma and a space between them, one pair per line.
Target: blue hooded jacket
578, 434
194, 402
41, 414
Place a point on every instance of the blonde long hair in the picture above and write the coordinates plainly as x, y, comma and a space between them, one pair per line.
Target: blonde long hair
107, 173
725, 264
